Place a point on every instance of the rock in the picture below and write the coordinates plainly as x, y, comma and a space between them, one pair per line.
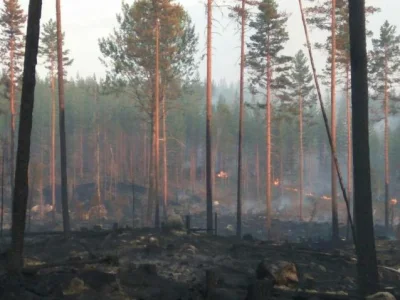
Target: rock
322, 268
381, 296
153, 241
76, 286
229, 228
248, 237
281, 273
188, 249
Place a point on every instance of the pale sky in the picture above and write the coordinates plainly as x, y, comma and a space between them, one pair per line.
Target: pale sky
85, 21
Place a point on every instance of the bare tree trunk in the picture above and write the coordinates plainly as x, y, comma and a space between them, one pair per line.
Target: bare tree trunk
268, 148
209, 166
386, 142
257, 173
63, 142
281, 159
98, 184
150, 191
349, 148
301, 158
133, 185
157, 126
333, 150
20, 199
165, 165
12, 111
335, 221
82, 155
2, 191
192, 169
41, 169
240, 134
368, 279
53, 143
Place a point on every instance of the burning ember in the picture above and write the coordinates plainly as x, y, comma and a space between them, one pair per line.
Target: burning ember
276, 182
393, 201
222, 174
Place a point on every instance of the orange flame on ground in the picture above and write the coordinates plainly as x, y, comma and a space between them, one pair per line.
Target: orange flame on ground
222, 174
276, 182
393, 201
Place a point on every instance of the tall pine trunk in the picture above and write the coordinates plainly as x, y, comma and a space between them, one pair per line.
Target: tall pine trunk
368, 279
301, 158
335, 221
257, 174
63, 142
165, 165
157, 126
12, 112
53, 142
240, 134
20, 199
98, 183
386, 142
349, 148
268, 193
209, 166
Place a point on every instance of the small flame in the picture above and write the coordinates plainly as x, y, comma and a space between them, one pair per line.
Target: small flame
276, 182
222, 174
393, 201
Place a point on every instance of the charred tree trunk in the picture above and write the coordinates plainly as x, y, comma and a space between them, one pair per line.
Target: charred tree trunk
367, 270
20, 199
63, 142
335, 221
241, 109
209, 164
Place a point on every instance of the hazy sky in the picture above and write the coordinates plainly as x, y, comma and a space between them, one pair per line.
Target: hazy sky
85, 21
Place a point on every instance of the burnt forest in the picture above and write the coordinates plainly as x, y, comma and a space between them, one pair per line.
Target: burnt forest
218, 149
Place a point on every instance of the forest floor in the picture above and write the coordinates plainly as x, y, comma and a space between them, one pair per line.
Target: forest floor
144, 264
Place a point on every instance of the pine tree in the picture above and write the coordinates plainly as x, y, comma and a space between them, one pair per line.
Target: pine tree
129, 56
20, 192
384, 74
48, 52
321, 16
267, 70
12, 21
63, 142
301, 85
367, 269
